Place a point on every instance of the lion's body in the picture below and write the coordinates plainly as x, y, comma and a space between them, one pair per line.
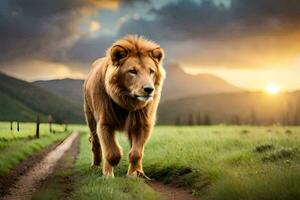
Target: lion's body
110, 107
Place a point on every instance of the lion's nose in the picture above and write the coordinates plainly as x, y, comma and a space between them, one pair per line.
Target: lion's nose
148, 89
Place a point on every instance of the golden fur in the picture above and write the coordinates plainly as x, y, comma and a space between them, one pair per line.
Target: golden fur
114, 99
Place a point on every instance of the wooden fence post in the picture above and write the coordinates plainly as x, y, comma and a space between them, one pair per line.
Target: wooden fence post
66, 127
11, 126
50, 119
50, 127
37, 133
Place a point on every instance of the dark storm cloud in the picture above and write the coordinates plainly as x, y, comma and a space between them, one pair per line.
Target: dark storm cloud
216, 35
84, 51
190, 20
32, 27
50, 30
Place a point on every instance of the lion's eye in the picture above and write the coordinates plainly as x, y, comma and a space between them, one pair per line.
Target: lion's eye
132, 71
152, 72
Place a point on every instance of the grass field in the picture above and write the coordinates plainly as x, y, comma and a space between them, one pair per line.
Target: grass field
17, 146
222, 162
217, 162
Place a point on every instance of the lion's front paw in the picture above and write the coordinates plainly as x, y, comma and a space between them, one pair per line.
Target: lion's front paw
108, 172
108, 175
139, 174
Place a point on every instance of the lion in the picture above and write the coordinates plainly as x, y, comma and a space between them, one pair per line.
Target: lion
122, 93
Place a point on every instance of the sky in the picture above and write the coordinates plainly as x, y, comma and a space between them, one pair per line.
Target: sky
250, 43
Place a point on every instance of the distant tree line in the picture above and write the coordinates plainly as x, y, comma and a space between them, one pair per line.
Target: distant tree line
193, 119
291, 114
288, 116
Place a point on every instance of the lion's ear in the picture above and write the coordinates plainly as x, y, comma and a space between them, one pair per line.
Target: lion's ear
157, 54
118, 53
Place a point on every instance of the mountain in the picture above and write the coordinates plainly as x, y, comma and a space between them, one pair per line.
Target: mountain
233, 108
12, 109
69, 88
179, 84
21, 100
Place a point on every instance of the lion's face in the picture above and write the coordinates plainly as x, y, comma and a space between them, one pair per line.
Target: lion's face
138, 78
134, 78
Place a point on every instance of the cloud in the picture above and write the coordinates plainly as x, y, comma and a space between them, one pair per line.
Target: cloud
54, 31
189, 19
210, 33
40, 69
28, 28
36, 28
267, 51
248, 33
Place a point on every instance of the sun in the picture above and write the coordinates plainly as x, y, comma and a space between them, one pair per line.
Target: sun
272, 88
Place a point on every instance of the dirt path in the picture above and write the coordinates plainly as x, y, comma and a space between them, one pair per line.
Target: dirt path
7, 181
27, 183
36, 180
169, 192
60, 184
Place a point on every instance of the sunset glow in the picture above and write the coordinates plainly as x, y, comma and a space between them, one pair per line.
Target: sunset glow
272, 88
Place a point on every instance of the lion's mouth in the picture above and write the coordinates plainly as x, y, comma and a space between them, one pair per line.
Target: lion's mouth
144, 98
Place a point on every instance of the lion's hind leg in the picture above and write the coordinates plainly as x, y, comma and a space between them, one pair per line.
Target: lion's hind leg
96, 147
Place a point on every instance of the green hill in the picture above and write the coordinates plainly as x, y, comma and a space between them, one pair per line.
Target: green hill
12, 109
63, 100
233, 108
68, 88
21, 100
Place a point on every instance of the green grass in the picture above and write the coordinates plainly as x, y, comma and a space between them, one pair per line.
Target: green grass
222, 162
18, 146
91, 185
217, 162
